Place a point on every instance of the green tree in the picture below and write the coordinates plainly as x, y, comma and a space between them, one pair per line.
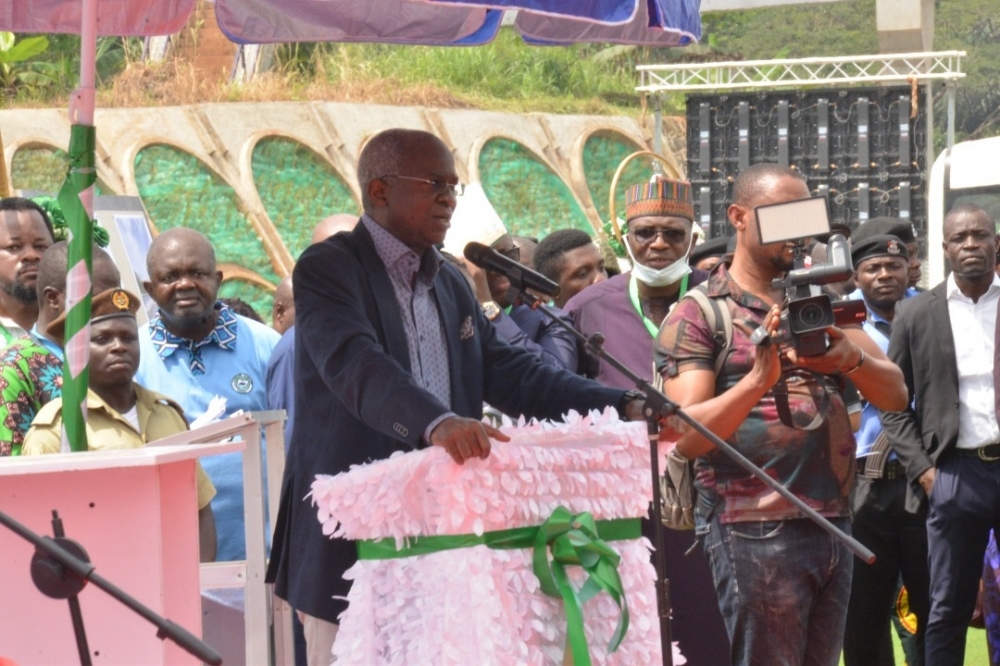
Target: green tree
16, 67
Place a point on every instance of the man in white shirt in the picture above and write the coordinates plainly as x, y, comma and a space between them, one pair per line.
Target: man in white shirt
948, 440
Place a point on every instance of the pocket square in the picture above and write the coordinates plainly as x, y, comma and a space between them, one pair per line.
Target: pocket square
466, 331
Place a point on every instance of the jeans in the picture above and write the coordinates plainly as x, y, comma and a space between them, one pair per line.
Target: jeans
783, 588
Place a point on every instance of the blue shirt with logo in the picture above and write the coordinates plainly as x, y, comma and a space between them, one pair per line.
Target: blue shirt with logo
230, 362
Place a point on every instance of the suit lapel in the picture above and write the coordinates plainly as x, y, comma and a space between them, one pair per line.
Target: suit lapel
941, 325
393, 333
449, 312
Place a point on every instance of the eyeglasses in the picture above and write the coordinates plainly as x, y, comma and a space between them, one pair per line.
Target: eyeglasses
437, 186
646, 235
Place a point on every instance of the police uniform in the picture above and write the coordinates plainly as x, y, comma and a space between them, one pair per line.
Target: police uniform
157, 416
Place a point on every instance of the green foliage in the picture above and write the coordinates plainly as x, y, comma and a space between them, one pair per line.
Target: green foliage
506, 74
17, 68
585, 78
973, 26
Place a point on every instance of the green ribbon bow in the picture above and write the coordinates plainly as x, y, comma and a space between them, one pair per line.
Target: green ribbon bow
571, 539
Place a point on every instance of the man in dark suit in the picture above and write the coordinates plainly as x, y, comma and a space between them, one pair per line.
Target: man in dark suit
393, 353
949, 441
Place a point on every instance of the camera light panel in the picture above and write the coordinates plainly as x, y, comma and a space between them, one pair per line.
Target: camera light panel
793, 220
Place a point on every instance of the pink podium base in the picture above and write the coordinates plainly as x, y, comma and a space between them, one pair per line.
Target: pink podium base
135, 513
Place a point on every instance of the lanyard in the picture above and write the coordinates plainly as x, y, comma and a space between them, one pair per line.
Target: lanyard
633, 295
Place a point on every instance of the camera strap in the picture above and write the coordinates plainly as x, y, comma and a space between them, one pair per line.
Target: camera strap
780, 392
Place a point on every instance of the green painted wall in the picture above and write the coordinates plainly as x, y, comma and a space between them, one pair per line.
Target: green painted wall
298, 189
530, 198
602, 153
179, 190
42, 169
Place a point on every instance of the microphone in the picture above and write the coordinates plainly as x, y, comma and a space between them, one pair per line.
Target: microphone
519, 275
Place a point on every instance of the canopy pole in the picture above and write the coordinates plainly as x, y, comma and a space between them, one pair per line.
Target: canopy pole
76, 198
4, 185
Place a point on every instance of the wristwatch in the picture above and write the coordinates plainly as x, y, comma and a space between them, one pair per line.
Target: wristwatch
491, 310
628, 397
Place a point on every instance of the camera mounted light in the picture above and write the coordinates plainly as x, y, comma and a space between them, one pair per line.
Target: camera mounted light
793, 220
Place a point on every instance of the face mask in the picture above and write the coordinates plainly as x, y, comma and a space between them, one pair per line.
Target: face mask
659, 277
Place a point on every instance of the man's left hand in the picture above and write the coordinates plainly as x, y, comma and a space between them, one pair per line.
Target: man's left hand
842, 354
633, 410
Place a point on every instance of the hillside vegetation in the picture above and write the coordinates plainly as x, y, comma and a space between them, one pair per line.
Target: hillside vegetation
512, 76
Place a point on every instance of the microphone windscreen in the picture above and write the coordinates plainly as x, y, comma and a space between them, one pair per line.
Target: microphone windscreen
476, 252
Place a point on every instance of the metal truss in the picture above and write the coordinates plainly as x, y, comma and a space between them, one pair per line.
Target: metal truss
839, 71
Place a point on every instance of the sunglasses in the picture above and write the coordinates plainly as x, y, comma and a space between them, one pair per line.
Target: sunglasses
513, 253
646, 235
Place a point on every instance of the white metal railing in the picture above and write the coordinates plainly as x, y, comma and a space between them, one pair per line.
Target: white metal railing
798, 72
266, 617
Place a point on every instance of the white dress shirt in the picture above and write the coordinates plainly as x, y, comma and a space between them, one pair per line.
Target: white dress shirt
973, 328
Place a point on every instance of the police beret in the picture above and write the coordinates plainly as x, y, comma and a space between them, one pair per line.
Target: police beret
880, 226
106, 305
878, 246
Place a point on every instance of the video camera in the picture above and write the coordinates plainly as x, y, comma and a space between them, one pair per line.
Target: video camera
806, 314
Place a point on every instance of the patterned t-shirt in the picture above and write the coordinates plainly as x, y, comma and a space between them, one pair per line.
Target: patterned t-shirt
30, 376
817, 465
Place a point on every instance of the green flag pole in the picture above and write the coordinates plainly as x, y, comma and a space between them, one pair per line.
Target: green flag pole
76, 198
81, 177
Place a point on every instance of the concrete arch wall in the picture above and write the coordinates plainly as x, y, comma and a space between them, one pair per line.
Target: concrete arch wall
222, 137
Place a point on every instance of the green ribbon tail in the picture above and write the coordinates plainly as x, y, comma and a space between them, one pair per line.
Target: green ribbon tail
576, 638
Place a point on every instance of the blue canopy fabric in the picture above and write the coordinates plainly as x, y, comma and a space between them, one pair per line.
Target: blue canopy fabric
657, 23
608, 12
427, 22
389, 21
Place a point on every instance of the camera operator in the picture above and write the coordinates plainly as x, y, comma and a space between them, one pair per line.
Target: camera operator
782, 581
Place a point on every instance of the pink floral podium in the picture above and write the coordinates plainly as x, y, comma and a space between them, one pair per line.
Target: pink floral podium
135, 512
475, 604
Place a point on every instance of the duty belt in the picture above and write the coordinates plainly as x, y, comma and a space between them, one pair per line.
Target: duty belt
893, 469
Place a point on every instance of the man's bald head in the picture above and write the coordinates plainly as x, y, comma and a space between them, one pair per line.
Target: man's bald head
332, 225
390, 152
178, 239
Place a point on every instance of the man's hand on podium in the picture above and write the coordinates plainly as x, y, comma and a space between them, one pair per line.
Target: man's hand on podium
465, 438
633, 409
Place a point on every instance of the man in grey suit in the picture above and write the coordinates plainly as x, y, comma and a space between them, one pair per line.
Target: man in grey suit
394, 353
949, 441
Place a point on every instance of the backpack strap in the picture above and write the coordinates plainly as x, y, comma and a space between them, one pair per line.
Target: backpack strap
719, 319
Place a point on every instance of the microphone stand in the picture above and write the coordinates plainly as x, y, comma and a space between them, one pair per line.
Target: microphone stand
60, 568
656, 407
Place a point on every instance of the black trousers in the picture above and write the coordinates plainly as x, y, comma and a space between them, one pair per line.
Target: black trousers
964, 506
899, 540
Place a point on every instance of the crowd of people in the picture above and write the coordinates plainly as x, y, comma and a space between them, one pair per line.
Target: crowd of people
381, 342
